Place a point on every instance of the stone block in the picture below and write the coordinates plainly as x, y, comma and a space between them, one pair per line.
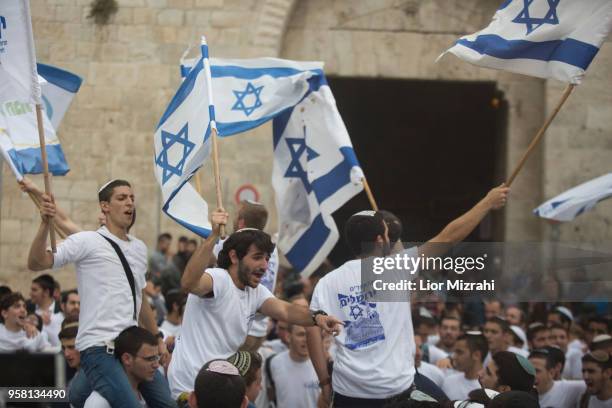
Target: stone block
62, 51
209, 3
197, 17
180, 4
68, 14
106, 98
157, 3
83, 190
10, 231
114, 52
599, 117
143, 15
223, 19
171, 17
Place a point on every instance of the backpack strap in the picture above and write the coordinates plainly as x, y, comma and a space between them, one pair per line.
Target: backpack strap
126, 269
271, 388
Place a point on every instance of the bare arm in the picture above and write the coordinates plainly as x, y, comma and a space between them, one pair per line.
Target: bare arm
146, 320
39, 258
461, 227
298, 314
194, 279
314, 341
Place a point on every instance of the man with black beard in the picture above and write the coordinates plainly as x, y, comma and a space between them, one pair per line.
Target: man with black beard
223, 301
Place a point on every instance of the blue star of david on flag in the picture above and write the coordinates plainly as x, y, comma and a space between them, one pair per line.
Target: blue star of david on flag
240, 104
297, 147
533, 23
169, 140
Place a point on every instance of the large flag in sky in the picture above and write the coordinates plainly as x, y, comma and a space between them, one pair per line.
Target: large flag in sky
17, 53
315, 169
575, 201
542, 38
182, 144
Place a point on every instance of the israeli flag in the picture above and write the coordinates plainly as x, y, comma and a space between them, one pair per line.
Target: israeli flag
58, 90
182, 144
542, 38
570, 204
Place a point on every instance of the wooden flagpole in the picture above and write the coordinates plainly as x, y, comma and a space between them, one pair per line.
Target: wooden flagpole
366, 187
45, 165
216, 172
566, 93
37, 204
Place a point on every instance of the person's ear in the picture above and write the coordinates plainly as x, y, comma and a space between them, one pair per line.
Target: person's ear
193, 402
104, 206
245, 402
233, 256
126, 359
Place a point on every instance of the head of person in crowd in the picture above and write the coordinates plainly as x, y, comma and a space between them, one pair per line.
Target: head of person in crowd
418, 351
164, 242
498, 334
394, 229
515, 316
218, 385
424, 324
138, 352
518, 338
597, 372
4, 290
558, 358
117, 203
298, 348
71, 303
366, 234
514, 399
41, 290
249, 365
35, 320
560, 315
450, 330
469, 353
493, 308
67, 336
250, 214
595, 326
544, 365
13, 311
507, 371
181, 245
57, 291
192, 245
537, 336
175, 303
559, 336
602, 342
245, 255
282, 331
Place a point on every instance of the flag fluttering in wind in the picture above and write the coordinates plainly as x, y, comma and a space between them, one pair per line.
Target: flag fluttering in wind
575, 201
58, 90
542, 38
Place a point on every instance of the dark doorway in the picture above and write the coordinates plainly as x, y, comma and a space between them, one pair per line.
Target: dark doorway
430, 151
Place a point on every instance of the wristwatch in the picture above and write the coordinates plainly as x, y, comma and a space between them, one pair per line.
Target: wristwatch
316, 313
160, 334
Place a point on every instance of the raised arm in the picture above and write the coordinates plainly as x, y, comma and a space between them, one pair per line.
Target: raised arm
461, 227
194, 279
39, 258
300, 315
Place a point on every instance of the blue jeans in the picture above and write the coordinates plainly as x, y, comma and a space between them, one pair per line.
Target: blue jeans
105, 374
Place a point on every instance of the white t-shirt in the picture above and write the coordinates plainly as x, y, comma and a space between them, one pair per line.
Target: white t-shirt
572, 370
597, 403
276, 345
457, 387
95, 400
106, 298
55, 324
432, 372
563, 394
213, 327
259, 327
14, 341
296, 383
375, 353
170, 329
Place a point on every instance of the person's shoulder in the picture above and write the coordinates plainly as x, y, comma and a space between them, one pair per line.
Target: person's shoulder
279, 358
95, 400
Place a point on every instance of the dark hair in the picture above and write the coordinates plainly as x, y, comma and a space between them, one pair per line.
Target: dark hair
46, 282
216, 390
9, 300
70, 328
557, 355
511, 372
240, 241
515, 399
131, 340
476, 342
564, 319
4, 290
450, 317
533, 329
502, 323
545, 355
175, 296
164, 235
253, 214
67, 293
394, 225
106, 193
598, 358
558, 327
183, 238
362, 229
600, 320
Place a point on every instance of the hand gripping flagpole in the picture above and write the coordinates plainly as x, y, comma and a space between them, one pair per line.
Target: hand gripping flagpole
213, 128
538, 136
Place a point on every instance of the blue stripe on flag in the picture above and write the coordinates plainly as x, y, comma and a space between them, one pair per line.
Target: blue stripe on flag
29, 161
232, 128
220, 71
203, 232
183, 92
569, 51
184, 71
309, 244
279, 126
58, 77
338, 177
211, 112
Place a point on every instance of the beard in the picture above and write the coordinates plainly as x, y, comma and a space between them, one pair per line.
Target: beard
244, 275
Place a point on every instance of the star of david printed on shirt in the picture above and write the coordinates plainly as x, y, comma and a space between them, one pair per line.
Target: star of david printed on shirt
297, 147
168, 141
248, 100
533, 23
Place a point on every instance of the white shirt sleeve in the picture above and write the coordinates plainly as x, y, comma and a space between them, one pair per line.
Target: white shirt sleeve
318, 302
263, 294
221, 281
95, 400
73, 249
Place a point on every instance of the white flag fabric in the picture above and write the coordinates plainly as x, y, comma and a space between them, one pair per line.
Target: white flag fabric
570, 204
182, 144
58, 90
17, 53
542, 38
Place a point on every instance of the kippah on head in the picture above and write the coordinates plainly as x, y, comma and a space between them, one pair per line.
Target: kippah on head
514, 371
106, 191
242, 361
362, 229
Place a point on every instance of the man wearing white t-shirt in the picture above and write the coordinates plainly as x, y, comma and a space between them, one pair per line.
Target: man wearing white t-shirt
468, 355
44, 305
175, 303
111, 297
15, 333
428, 370
293, 378
450, 330
223, 302
597, 374
374, 358
551, 393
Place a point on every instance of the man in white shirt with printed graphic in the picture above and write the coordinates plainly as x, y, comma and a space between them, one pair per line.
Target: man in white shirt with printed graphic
111, 300
374, 359
223, 301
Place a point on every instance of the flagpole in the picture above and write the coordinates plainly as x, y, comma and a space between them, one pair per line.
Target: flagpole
566, 93
45, 165
366, 187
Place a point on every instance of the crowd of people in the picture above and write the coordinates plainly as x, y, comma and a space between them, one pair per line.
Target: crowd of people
221, 324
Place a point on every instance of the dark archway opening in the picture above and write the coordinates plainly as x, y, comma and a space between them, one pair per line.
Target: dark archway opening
430, 151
